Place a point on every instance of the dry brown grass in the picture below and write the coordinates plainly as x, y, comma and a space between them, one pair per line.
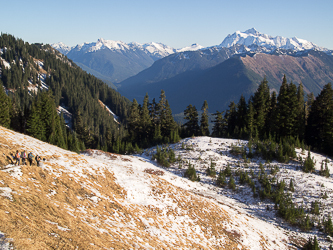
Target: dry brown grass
53, 208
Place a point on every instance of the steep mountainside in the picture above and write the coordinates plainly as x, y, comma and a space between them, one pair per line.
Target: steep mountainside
29, 71
100, 200
313, 68
218, 85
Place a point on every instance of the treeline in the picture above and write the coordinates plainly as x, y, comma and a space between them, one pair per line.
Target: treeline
283, 117
152, 123
70, 87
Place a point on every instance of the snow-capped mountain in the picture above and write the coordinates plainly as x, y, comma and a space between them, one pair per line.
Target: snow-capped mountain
158, 50
243, 59
61, 47
193, 47
251, 38
115, 61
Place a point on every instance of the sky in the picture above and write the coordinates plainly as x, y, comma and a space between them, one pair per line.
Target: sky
177, 23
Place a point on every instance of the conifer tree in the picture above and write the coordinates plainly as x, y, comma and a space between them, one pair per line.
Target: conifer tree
319, 130
241, 116
231, 118
145, 121
204, 130
134, 120
35, 126
261, 103
250, 120
168, 124
221, 179
191, 126
287, 107
5, 107
271, 126
301, 115
312, 244
219, 125
308, 165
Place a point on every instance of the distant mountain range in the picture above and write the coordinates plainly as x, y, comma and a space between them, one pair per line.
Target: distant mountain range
218, 74
221, 73
115, 61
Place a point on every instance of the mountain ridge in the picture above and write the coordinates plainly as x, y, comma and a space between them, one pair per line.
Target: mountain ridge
116, 61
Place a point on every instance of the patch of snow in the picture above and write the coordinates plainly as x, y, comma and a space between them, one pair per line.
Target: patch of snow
115, 117
6, 192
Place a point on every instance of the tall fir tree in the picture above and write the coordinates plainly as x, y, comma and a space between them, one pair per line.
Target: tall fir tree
204, 123
319, 130
145, 120
301, 114
134, 120
191, 126
35, 126
231, 118
261, 104
287, 108
219, 126
241, 117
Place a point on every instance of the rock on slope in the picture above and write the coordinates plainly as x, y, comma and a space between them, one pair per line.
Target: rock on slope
99, 200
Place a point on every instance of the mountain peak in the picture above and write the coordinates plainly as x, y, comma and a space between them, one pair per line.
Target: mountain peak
61, 47
252, 31
253, 38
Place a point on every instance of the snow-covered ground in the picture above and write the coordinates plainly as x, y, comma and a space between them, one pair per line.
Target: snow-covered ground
309, 187
131, 202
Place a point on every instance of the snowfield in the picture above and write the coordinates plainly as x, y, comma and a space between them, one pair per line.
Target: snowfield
99, 200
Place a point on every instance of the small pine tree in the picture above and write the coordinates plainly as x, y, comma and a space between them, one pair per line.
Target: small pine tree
308, 165
221, 179
307, 225
312, 244
232, 183
227, 171
328, 226
191, 173
291, 185
211, 169
315, 208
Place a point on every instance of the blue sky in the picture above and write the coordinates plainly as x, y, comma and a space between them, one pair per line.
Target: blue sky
177, 23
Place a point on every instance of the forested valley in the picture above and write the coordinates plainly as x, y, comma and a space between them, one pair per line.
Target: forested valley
28, 104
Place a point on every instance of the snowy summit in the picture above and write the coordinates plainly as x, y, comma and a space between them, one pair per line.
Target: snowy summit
252, 37
158, 50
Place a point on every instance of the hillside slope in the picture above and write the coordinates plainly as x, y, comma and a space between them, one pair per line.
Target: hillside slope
313, 68
100, 201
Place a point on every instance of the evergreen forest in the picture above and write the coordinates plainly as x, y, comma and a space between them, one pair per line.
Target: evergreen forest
29, 106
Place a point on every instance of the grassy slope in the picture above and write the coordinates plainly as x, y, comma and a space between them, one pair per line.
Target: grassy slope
110, 200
